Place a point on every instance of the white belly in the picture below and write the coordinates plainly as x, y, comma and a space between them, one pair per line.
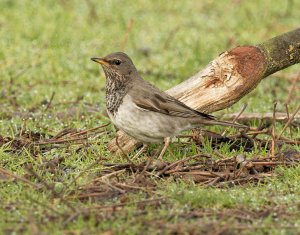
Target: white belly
146, 126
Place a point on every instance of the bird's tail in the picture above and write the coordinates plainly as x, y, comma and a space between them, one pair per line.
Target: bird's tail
221, 123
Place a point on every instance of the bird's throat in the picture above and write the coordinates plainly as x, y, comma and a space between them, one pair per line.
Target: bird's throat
116, 89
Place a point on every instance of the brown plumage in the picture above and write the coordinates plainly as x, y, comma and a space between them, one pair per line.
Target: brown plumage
140, 109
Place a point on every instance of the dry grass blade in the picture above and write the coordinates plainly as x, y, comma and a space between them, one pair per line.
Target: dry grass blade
61, 141
172, 165
273, 131
36, 142
88, 130
293, 88
235, 118
10, 174
288, 122
267, 117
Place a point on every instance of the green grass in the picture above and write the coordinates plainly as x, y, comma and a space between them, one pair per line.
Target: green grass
45, 49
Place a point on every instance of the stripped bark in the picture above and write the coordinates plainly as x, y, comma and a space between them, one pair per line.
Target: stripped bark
230, 77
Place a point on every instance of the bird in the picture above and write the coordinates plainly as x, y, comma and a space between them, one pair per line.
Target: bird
143, 111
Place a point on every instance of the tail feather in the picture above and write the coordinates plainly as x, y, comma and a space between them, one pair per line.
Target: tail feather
221, 123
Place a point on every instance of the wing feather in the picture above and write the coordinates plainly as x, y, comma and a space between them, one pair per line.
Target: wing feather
150, 98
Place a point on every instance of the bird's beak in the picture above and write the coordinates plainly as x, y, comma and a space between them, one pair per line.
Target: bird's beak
101, 61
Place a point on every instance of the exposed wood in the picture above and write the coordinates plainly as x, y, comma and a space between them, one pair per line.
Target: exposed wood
230, 77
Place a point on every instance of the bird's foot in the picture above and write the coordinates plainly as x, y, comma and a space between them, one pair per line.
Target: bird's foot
166, 145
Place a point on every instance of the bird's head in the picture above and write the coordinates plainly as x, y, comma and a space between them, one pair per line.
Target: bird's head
116, 64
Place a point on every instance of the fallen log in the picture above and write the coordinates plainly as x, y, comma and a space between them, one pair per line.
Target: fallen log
229, 77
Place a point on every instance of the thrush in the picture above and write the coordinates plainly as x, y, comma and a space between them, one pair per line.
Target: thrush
143, 111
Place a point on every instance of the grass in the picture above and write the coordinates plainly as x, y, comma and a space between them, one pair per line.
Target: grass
46, 48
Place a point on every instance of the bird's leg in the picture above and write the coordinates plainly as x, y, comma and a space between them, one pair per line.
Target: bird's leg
166, 145
142, 150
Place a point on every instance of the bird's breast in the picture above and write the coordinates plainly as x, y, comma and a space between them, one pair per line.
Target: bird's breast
143, 125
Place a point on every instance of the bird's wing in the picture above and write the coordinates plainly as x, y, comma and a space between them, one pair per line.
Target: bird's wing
150, 98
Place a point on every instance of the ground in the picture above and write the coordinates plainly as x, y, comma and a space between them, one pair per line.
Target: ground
56, 174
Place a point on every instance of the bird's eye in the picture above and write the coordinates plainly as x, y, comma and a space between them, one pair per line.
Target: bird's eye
117, 62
